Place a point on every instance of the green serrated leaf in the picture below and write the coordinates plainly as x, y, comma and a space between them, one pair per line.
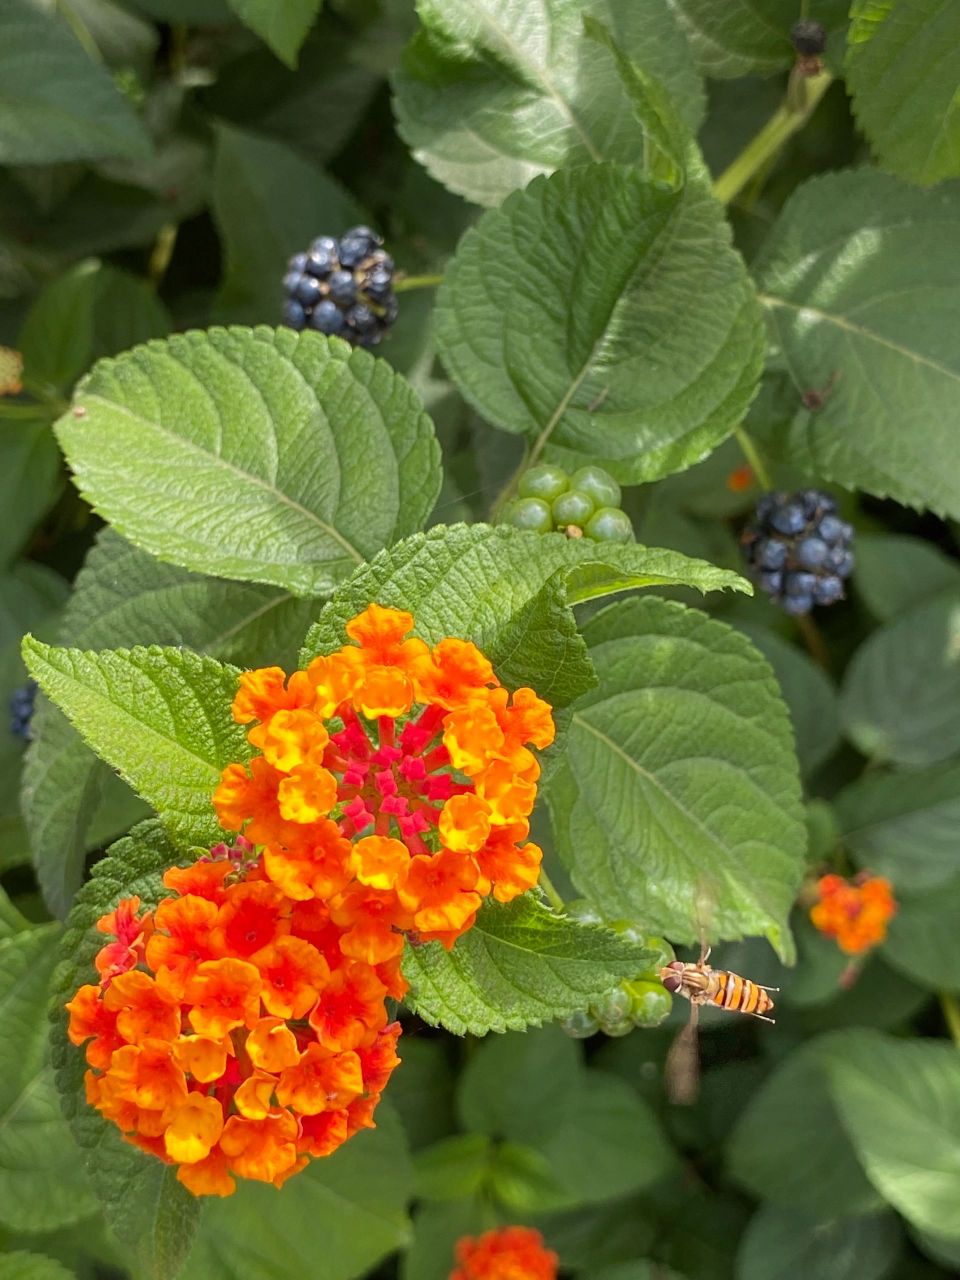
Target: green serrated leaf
282, 24
660, 355
492, 94
900, 701
741, 37
860, 279
677, 801
904, 825
55, 102
894, 573
161, 717
122, 596
899, 1101
151, 1213
281, 458
800, 1157
520, 965
260, 231
353, 1201
781, 1244
482, 583
41, 1187
902, 71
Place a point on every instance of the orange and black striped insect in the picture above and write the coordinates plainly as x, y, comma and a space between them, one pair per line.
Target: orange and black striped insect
700, 984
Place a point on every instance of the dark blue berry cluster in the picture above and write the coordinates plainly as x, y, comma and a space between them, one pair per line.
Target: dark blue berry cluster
798, 549
21, 709
342, 286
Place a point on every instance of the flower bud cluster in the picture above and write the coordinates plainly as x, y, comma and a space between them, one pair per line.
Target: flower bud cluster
855, 912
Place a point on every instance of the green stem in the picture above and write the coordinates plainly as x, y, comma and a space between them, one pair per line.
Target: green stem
36, 412
802, 97
10, 916
750, 452
161, 254
814, 641
403, 284
547, 885
48, 394
951, 1015
80, 30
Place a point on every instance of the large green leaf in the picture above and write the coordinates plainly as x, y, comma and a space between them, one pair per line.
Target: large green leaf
902, 70
124, 597
160, 717
263, 454
739, 37
487, 585
677, 801
899, 1101
640, 347
151, 1213
893, 573
781, 1244
904, 825
41, 1186
282, 24
923, 941
520, 965
860, 278
494, 93
901, 693
790, 1147
55, 102
337, 1218
259, 230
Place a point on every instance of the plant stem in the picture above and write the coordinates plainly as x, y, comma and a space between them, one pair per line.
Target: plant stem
80, 30
951, 1015
813, 639
161, 254
750, 452
792, 114
546, 884
403, 284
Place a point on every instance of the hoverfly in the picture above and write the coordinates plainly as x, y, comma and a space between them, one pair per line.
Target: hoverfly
700, 984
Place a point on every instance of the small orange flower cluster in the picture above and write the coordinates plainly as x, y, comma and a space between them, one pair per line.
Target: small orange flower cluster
394, 783
509, 1253
229, 1034
854, 912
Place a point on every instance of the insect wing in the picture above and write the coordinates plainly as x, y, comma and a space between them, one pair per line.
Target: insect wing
682, 1068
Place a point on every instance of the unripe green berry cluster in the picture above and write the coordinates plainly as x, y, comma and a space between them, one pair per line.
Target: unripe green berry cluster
637, 1002
586, 504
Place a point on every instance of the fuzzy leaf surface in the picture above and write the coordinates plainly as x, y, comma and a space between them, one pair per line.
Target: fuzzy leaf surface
902, 70
900, 700
520, 965
263, 454
282, 24
161, 717
492, 94
123, 596
677, 801
860, 280
151, 1213
486, 584
41, 1187
56, 103
648, 341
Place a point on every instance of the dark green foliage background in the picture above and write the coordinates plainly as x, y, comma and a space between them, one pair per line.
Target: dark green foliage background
605, 265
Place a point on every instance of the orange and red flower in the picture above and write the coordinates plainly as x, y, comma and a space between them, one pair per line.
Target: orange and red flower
855, 912
506, 1253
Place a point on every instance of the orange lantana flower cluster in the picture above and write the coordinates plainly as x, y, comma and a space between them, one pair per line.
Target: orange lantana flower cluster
508, 1253
394, 784
854, 912
229, 1034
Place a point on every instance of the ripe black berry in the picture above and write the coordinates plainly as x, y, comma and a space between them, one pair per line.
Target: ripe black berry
21, 709
342, 287
798, 550
808, 37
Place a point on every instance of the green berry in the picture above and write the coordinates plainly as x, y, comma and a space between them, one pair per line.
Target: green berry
530, 513
609, 524
601, 487
573, 507
613, 1006
544, 482
630, 931
649, 1002
580, 1025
